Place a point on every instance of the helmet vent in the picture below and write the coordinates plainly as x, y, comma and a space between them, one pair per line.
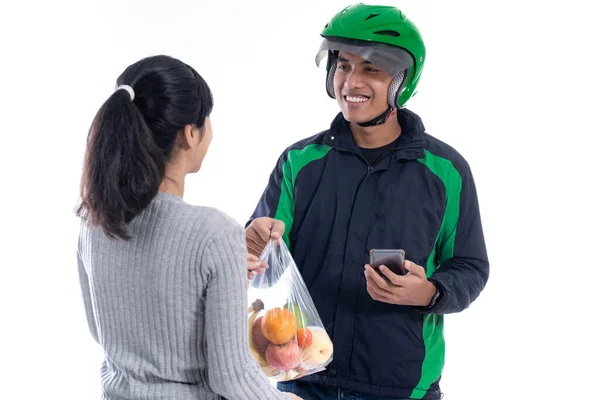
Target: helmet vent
371, 16
388, 33
327, 25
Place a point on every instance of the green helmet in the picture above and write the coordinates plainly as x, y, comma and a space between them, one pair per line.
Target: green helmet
382, 35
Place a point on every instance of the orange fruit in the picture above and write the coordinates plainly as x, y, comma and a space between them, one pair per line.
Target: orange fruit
304, 337
278, 325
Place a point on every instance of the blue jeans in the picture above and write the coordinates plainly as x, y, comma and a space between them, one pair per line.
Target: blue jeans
314, 391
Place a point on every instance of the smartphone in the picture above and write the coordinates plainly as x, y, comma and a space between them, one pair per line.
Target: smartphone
393, 259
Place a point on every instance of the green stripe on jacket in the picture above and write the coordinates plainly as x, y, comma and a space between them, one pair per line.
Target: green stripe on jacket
297, 159
443, 249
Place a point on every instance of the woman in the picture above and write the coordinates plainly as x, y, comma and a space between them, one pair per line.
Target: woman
164, 282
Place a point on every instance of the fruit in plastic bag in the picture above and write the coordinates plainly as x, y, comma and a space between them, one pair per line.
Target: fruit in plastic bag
298, 314
284, 357
292, 341
254, 309
279, 325
259, 340
319, 351
304, 337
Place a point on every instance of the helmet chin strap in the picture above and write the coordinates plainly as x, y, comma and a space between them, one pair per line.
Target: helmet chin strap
377, 120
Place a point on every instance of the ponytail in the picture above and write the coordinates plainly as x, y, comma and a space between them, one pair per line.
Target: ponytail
123, 167
132, 137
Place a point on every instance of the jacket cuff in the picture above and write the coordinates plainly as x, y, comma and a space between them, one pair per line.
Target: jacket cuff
436, 302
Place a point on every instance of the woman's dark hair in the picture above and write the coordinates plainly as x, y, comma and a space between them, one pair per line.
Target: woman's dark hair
130, 142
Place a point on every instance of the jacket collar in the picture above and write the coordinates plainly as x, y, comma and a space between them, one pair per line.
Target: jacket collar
410, 144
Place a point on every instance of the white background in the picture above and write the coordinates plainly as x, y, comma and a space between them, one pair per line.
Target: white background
512, 85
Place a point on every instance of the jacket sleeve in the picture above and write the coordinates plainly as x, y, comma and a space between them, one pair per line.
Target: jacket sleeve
463, 263
277, 200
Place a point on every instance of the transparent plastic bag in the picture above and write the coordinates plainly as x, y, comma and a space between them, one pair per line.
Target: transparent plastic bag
286, 335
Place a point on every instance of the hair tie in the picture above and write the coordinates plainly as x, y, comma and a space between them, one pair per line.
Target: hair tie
129, 90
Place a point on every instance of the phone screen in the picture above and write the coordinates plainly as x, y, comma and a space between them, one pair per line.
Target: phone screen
393, 259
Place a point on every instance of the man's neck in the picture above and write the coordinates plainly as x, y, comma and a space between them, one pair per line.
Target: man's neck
376, 136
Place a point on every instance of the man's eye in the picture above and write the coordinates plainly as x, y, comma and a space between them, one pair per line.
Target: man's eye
342, 67
369, 69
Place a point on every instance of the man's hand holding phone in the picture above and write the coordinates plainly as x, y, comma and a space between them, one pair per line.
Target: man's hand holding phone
411, 289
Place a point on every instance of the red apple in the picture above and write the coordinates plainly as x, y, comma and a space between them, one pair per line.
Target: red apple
260, 341
304, 337
283, 357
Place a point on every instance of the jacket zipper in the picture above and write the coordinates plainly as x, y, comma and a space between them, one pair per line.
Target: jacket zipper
369, 171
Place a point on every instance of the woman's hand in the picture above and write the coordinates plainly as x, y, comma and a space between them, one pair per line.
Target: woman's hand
255, 264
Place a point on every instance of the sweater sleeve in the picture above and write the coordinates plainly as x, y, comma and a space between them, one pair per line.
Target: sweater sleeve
232, 372
87, 297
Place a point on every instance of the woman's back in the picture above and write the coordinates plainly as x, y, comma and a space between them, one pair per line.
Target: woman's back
168, 305
164, 282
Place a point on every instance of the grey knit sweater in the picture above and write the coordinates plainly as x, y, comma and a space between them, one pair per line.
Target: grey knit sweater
169, 307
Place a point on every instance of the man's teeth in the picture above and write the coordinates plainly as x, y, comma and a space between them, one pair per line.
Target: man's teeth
356, 99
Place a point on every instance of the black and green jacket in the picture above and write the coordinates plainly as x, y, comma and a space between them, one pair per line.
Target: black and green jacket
336, 207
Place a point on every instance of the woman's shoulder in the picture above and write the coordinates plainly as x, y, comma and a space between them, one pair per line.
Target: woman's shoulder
169, 215
206, 220
186, 213
217, 219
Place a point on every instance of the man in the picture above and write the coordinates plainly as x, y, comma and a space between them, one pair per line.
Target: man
376, 180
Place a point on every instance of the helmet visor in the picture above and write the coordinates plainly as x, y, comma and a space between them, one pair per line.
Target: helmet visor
389, 58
